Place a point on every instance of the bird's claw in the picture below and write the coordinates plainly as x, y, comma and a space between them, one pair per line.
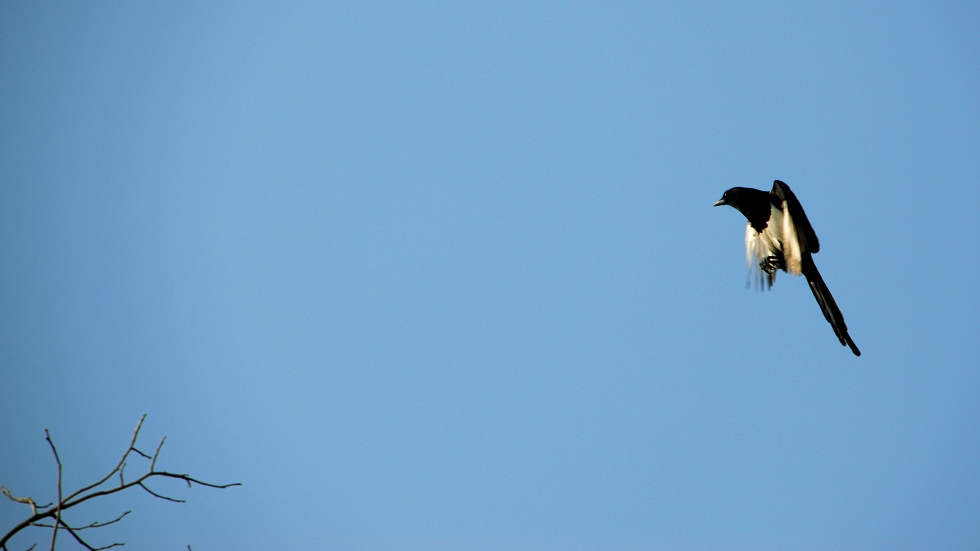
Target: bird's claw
771, 263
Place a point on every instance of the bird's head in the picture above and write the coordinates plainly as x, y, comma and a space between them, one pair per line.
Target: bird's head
730, 198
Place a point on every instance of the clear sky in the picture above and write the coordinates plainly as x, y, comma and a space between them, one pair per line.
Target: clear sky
446, 275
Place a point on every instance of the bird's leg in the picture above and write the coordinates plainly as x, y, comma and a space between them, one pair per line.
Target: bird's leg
772, 263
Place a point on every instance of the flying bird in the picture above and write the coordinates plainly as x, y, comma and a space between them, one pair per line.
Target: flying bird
779, 237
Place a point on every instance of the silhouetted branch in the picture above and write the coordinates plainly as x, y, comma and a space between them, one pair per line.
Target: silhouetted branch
53, 511
154, 494
57, 509
84, 543
87, 526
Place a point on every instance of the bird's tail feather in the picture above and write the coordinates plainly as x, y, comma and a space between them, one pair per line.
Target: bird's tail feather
827, 303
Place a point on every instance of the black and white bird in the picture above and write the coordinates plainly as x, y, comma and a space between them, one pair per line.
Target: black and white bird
779, 237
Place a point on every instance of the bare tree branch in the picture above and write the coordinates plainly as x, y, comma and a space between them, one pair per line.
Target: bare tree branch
25, 500
84, 543
54, 450
154, 494
140, 453
53, 511
101, 524
153, 464
95, 524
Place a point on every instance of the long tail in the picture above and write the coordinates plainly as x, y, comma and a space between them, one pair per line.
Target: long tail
827, 303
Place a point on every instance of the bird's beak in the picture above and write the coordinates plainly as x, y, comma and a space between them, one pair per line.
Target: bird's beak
720, 202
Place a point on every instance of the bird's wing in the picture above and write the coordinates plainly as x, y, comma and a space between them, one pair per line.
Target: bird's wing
756, 250
798, 236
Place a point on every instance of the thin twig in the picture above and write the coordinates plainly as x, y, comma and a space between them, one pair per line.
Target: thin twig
189, 479
98, 524
153, 464
95, 524
25, 500
154, 494
54, 533
141, 453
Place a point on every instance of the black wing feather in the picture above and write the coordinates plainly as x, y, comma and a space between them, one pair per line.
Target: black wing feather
804, 231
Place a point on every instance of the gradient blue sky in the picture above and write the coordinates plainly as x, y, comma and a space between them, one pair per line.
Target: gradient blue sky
445, 275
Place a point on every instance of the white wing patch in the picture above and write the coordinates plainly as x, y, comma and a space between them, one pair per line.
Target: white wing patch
770, 242
791, 243
757, 249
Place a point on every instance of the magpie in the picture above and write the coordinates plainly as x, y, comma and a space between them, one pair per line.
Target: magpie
779, 237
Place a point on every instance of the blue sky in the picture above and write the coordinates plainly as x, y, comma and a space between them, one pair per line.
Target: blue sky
434, 275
